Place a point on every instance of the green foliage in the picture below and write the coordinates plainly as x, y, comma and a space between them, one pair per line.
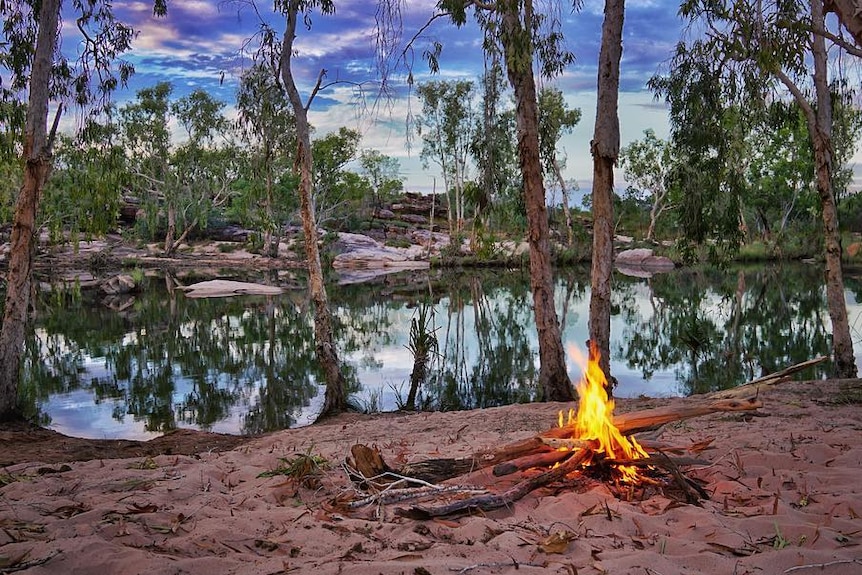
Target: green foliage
846, 132
10, 183
146, 139
338, 192
182, 185
11, 120
647, 164
555, 120
90, 174
445, 126
850, 212
780, 170
382, 173
265, 193
422, 346
89, 80
744, 155
494, 148
708, 144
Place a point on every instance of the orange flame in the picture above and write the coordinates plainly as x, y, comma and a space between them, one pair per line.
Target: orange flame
595, 416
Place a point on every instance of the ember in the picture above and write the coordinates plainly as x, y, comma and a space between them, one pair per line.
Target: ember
595, 416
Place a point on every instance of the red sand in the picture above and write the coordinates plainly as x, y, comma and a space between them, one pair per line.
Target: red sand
785, 488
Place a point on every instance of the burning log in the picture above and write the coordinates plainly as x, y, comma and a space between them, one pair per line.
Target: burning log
440, 469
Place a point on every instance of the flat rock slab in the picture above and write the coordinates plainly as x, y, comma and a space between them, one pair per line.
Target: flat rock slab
227, 288
641, 262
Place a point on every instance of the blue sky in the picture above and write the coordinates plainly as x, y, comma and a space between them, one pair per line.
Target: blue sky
199, 45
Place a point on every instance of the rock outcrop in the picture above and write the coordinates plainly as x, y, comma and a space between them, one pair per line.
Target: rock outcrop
642, 262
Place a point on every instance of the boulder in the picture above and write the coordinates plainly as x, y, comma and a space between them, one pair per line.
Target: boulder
428, 239
642, 262
119, 284
347, 242
514, 249
414, 219
362, 258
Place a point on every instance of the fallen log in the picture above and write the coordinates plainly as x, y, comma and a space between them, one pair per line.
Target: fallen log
753, 387
493, 501
440, 469
434, 470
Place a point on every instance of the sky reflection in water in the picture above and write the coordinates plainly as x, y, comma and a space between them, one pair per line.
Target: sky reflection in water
246, 364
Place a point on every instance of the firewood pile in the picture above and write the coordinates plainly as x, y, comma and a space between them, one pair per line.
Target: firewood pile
571, 455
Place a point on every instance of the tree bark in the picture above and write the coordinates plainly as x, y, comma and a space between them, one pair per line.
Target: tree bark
821, 136
605, 149
37, 156
553, 376
335, 400
849, 13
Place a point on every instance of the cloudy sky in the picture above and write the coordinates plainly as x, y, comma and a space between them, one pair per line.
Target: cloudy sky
200, 45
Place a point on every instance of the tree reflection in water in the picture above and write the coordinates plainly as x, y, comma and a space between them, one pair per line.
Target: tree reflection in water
247, 364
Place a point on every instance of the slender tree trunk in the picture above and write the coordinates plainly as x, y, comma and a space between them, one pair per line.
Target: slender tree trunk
570, 235
842, 342
335, 400
655, 210
553, 376
172, 228
37, 156
605, 150
270, 248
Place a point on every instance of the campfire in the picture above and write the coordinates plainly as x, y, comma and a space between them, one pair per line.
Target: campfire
594, 419
588, 444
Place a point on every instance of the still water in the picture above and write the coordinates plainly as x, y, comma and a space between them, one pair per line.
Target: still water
136, 366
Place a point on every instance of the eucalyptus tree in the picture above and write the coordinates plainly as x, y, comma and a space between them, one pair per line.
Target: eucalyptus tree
446, 126
147, 141
90, 173
497, 190
605, 148
337, 191
780, 172
556, 119
525, 36
646, 164
205, 164
35, 70
708, 140
281, 50
755, 48
383, 174
184, 182
266, 125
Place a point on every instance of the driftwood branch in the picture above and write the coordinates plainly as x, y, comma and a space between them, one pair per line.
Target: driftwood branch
753, 387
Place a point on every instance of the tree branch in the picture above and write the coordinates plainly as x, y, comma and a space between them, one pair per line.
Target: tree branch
316, 88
